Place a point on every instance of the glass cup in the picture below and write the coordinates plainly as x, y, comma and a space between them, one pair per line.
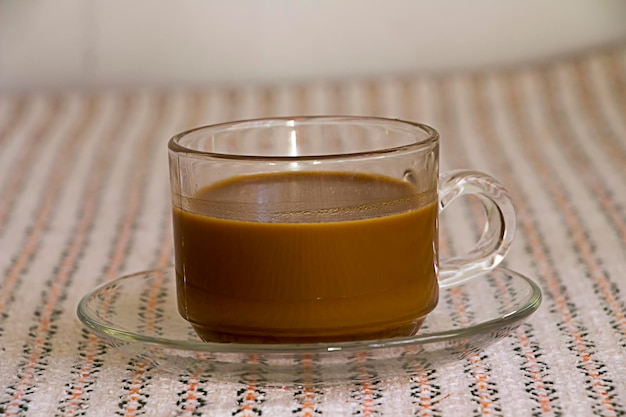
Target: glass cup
318, 229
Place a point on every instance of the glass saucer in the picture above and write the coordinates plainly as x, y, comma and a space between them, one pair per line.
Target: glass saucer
137, 314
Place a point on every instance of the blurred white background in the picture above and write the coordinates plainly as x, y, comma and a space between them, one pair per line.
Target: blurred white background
102, 43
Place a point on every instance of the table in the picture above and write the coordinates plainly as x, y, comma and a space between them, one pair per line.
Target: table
84, 198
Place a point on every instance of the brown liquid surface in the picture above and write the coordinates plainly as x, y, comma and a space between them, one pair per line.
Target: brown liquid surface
305, 257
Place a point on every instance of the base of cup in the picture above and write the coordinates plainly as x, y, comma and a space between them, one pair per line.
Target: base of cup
212, 335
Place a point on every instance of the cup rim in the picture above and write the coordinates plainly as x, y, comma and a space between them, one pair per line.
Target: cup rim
431, 138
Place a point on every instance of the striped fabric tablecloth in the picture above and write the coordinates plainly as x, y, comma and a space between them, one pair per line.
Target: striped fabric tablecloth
84, 198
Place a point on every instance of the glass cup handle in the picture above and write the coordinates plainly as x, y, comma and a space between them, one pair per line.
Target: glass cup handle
497, 235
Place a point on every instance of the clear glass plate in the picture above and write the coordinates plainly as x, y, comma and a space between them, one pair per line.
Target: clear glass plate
137, 314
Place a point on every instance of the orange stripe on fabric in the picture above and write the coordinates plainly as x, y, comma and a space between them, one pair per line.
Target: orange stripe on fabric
38, 348
133, 398
366, 406
308, 399
535, 371
248, 398
425, 395
306, 394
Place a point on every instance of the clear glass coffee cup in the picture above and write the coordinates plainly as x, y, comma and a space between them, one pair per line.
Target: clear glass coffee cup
319, 229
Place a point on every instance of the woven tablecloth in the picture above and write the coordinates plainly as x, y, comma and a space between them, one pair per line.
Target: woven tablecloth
84, 198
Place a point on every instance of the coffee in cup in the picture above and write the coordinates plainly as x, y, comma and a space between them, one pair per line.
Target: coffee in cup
318, 229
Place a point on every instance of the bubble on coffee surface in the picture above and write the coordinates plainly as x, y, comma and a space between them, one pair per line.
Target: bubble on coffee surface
409, 176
